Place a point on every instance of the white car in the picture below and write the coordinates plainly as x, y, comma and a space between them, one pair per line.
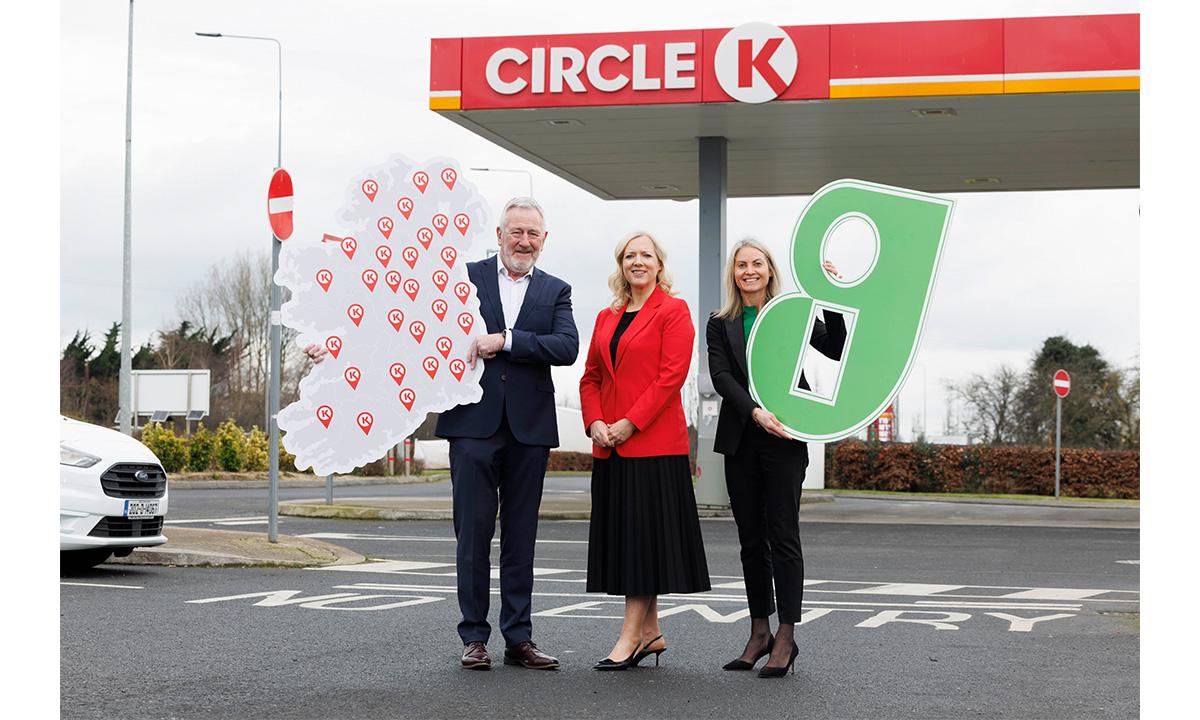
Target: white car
113, 495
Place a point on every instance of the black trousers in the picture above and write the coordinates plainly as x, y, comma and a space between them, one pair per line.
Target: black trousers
489, 474
764, 480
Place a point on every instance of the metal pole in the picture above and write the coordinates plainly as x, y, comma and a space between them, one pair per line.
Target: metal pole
125, 383
713, 161
276, 299
1057, 444
328, 489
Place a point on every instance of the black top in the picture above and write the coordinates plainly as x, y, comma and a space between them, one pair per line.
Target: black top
622, 325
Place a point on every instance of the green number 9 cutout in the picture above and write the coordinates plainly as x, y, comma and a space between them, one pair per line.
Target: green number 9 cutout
885, 308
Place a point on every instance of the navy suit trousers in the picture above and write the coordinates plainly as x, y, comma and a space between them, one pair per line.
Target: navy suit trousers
487, 474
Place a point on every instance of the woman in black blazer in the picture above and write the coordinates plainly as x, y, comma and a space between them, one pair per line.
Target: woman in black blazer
764, 466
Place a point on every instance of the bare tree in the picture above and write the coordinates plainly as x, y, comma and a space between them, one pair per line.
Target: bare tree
989, 404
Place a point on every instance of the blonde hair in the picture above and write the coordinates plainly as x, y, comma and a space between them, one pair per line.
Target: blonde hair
622, 293
734, 306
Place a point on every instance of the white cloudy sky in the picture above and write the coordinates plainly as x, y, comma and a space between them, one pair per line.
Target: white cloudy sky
1018, 267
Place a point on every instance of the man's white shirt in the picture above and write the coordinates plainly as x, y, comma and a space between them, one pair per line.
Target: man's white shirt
512, 296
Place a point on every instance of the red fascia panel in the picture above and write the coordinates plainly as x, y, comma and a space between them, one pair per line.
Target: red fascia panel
445, 64
478, 95
1072, 44
812, 64
907, 49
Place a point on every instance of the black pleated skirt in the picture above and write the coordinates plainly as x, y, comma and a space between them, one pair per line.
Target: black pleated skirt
645, 535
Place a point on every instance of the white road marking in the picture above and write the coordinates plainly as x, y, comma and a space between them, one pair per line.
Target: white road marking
104, 585
196, 521
905, 589
410, 538
1129, 562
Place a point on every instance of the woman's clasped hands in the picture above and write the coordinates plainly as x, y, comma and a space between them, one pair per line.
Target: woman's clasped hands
609, 436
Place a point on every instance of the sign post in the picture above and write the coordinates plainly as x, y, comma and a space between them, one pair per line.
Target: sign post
279, 213
1062, 388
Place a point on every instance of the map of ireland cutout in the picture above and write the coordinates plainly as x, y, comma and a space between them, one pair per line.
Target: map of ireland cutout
885, 308
386, 295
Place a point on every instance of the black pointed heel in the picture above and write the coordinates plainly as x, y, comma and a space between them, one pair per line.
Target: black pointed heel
778, 672
625, 664
740, 664
643, 654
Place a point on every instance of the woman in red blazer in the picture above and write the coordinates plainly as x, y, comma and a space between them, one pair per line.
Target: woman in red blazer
644, 539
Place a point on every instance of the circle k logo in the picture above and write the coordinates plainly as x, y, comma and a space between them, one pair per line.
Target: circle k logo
755, 62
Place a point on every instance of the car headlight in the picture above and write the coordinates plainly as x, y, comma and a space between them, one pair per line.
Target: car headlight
75, 458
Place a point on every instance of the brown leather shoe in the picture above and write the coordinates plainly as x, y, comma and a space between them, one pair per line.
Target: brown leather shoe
475, 657
527, 655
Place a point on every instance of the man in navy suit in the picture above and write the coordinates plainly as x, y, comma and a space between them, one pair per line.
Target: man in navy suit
500, 445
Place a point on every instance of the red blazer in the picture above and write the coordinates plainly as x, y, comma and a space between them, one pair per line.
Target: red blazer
653, 357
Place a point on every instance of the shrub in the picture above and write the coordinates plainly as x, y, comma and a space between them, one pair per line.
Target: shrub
257, 451
921, 467
202, 446
570, 461
231, 447
287, 461
170, 449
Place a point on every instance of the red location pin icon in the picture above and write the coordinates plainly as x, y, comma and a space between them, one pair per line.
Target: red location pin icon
462, 291
352, 376
465, 321
449, 255
370, 188
325, 415
365, 421
421, 180
430, 366
440, 278
425, 237
397, 371
417, 330
393, 279
349, 245
324, 279
440, 223
385, 225
405, 206
462, 222
369, 278
449, 176
439, 308
444, 346
383, 254
407, 398
333, 344
411, 288
410, 255
355, 312
396, 318
457, 368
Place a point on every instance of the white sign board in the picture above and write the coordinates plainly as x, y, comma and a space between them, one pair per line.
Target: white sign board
388, 297
176, 392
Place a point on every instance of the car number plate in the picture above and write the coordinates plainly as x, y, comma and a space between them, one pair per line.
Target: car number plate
141, 508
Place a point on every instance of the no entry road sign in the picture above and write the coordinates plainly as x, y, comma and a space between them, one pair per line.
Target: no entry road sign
1062, 383
279, 204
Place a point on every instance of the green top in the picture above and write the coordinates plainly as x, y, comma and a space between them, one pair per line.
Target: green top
749, 312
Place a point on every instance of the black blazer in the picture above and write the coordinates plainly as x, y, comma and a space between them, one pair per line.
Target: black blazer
727, 367
518, 382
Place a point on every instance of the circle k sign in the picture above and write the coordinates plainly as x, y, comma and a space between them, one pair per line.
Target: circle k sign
755, 62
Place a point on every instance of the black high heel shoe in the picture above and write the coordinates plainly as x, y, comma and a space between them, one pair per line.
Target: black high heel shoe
643, 654
625, 664
741, 664
777, 672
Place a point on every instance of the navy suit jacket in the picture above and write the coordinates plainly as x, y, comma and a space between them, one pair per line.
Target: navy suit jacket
518, 383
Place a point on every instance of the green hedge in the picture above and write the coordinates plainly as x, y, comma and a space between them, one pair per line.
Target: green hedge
230, 449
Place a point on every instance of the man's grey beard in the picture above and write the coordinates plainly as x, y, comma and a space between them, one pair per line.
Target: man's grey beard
513, 264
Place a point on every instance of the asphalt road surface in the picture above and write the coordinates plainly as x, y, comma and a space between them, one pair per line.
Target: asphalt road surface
902, 621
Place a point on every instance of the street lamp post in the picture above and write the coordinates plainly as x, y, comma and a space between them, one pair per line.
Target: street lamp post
276, 299
125, 377
510, 170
